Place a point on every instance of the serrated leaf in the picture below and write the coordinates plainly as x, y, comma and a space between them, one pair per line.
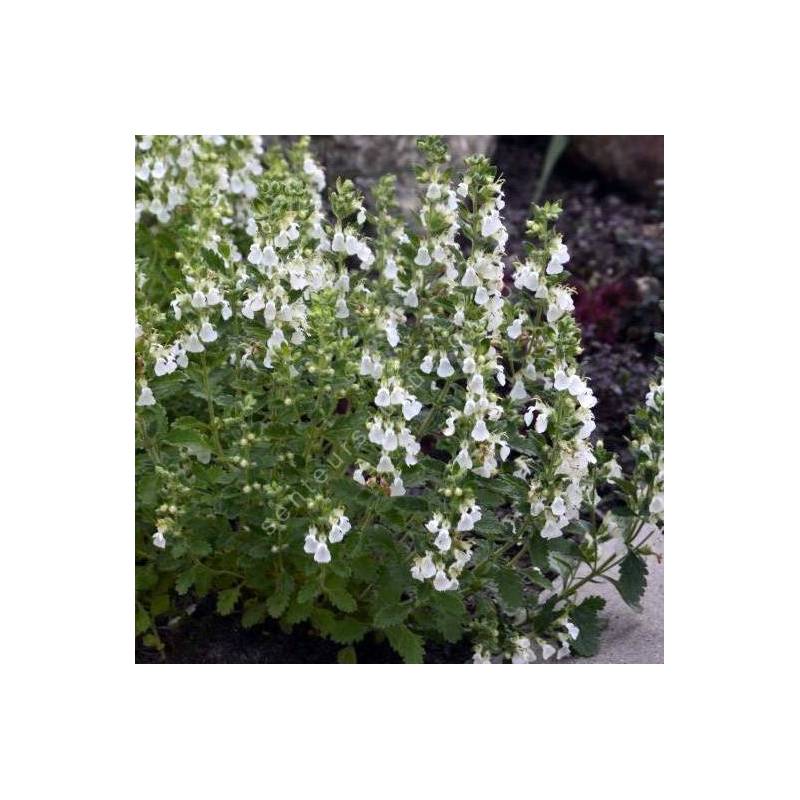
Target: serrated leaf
227, 599
406, 644
254, 613
449, 615
509, 586
390, 615
184, 581
586, 617
346, 630
341, 598
632, 579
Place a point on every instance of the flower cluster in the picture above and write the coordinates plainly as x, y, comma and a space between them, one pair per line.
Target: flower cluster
298, 368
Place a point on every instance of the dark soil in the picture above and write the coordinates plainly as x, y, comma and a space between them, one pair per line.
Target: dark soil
206, 638
616, 242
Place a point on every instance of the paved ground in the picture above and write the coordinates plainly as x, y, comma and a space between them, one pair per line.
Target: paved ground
631, 638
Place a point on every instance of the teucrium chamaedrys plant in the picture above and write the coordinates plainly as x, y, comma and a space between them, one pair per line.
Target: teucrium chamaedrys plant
366, 425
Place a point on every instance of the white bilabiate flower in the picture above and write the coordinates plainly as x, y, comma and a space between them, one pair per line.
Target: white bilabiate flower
255, 255
382, 397
557, 260
480, 433
657, 504
385, 464
207, 332
338, 245
490, 224
427, 364
470, 278
528, 416
445, 368
361, 217
466, 522
551, 529
159, 540
548, 651
311, 544
198, 299
443, 541
322, 554
397, 489
558, 507
481, 296
515, 329
411, 407
410, 298
146, 397
541, 420
269, 257
423, 257
468, 366
341, 311
518, 390
463, 459
441, 582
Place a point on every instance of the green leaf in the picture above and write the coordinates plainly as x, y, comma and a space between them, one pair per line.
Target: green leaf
406, 644
509, 586
346, 630
227, 599
185, 581
390, 615
632, 579
342, 599
160, 604
254, 613
585, 616
449, 615
347, 655
280, 598
143, 621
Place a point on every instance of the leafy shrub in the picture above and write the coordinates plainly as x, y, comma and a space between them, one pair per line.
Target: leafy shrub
371, 435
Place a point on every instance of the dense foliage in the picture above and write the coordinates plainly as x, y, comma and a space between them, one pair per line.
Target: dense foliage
366, 425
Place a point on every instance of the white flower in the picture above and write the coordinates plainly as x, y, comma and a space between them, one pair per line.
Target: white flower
481, 296
463, 459
541, 421
560, 380
548, 651
376, 432
311, 544
434, 191
351, 244
269, 258
322, 554
207, 332
389, 440
441, 582
423, 258
470, 278
410, 298
146, 397
528, 416
427, 364
463, 189
341, 312
481, 656
390, 269
557, 260
392, 336
397, 489
361, 217
480, 433
198, 299
551, 529
443, 541
445, 368
385, 464
657, 504
255, 255
159, 540
466, 522
411, 407
490, 224
514, 330
193, 344
338, 245
159, 170
358, 476
518, 391
558, 507
426, 567
458, 317
505, 451
382, 397
468, 366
